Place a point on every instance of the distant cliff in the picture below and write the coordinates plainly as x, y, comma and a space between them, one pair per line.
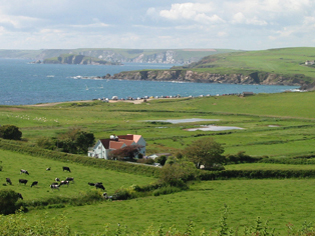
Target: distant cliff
77, 59
204, 77
167, 56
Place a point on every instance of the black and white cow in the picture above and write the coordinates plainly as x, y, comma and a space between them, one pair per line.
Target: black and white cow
23, 181
91, 184
8, 180
24, 172
34, 183
48, 168
64, 182
57, 179
53, 186
66, 168
99, 185
70, 179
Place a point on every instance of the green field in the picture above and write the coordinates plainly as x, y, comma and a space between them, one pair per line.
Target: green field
272, 124
276, 125
287, 62
276, 201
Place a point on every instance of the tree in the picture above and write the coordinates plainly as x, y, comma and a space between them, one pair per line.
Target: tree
10, 132
75, 141
8, 198
130, 151
205, 152
84, 140
177, 173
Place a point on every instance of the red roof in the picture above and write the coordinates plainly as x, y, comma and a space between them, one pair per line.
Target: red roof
122, 139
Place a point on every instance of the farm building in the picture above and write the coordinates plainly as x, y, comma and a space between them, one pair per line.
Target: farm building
103, 147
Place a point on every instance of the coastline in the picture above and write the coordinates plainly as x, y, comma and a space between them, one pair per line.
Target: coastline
110, 101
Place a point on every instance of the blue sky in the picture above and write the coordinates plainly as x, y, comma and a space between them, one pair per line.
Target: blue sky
156, 24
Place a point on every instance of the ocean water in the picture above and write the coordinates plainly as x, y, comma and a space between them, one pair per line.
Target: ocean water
22, 83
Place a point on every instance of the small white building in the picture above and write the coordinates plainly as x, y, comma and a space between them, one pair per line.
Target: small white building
103, 147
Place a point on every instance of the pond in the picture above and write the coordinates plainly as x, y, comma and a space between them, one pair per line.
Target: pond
214, 128
177, 121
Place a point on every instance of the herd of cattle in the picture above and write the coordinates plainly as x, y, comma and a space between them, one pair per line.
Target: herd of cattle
57, 183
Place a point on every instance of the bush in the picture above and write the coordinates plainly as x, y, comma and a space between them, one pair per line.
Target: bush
16, 224
148, 161
240, 157
46, 143
8, 199
10, 132
178, 173
161, 159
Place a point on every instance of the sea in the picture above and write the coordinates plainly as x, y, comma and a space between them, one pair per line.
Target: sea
24, 83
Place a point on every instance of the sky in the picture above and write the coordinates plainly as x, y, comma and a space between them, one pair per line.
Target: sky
157, 24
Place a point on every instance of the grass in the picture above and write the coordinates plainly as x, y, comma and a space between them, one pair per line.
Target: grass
278, 201
278, 125
273, 124
12, 163
285, 61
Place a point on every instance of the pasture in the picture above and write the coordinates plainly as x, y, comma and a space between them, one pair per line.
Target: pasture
284, 61
276, 125
12, 163
276, 201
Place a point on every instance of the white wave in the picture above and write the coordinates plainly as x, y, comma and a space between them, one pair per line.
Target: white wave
50, 76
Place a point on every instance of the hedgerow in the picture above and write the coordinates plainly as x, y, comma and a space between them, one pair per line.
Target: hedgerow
255, 174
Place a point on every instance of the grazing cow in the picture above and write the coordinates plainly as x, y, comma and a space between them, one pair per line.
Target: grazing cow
99, 185
20, 196
53, 186
23, 181
48, 168
24, 172
66, 168
91, 184
64, 182
70, 179
8, 180
57, 179
34, 183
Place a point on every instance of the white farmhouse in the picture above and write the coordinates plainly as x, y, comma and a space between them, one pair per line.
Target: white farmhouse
103, 147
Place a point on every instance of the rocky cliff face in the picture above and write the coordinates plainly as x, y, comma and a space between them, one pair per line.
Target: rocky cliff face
191, 76
77, 59
167, 57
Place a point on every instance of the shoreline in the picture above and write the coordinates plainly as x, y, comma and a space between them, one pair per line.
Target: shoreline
110, 101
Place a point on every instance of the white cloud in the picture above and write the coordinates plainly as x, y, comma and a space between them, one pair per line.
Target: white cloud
240, 24
192, 11
239, 18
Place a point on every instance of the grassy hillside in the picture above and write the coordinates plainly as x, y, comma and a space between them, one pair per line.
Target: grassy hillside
284, 61
277, 125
